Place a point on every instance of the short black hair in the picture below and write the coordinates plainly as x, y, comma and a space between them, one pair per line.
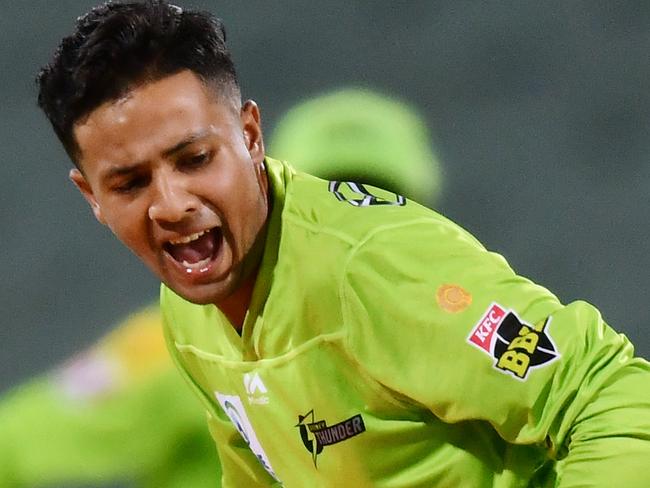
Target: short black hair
117, 46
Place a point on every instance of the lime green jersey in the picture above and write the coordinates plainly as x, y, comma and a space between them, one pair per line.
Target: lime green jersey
116, 413
385, 347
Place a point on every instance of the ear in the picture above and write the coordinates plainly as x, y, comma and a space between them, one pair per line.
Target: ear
83, 186
252, 128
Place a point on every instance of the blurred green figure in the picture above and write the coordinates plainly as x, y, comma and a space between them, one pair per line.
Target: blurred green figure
116, 413
119, 412
360, 135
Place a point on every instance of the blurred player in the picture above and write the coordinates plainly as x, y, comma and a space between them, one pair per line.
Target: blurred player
337, 334
117, 413
364, 136
120, 412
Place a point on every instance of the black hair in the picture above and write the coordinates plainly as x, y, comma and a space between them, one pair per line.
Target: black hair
117, 46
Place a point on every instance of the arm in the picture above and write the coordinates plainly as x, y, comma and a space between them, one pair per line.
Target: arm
561, 379
609, 439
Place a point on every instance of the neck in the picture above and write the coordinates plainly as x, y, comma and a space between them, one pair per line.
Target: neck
236, 305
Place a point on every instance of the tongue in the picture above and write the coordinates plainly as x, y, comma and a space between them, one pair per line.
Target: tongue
194, 251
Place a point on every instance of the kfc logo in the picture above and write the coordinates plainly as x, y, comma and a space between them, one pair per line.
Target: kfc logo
516, 346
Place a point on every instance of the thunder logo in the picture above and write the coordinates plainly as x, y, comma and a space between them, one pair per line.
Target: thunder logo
316, 434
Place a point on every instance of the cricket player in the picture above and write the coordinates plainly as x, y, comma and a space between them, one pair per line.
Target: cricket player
119, 411
336, 334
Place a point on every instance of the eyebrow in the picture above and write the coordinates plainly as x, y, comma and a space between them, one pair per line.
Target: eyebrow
192, 138
129, 168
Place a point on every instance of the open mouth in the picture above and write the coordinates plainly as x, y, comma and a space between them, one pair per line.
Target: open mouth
195, 252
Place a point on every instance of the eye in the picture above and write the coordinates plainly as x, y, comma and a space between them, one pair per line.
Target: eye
195, 160
130, 185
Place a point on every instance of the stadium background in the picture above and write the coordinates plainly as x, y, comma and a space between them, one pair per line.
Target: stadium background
540, 113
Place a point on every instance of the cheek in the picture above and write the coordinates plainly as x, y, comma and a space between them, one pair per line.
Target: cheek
251, 199
239, 200
253, 212
127, 234
129, 227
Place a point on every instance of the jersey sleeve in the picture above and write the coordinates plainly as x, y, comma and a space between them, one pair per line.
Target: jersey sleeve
444, 324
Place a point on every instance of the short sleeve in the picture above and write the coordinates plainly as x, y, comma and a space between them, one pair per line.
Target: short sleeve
442, 322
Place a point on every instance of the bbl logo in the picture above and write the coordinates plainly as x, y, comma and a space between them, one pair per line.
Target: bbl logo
358, 195
316, 434
515, 345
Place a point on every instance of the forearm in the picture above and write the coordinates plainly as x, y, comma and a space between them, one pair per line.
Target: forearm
609, 444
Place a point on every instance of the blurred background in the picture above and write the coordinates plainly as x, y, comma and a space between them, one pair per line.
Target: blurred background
540, 115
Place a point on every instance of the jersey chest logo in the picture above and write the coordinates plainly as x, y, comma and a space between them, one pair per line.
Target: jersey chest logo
316, 434
255, 389
515, 345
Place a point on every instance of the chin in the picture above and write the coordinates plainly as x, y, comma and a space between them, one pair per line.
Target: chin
201, 294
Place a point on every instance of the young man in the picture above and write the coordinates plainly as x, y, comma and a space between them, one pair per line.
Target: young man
160, 438
337, 334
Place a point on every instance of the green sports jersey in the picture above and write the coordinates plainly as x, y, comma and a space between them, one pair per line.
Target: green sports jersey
385, 347
116, 413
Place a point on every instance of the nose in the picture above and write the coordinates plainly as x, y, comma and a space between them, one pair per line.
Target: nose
172, 202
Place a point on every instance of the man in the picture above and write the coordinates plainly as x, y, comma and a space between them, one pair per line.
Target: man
119, 411
337, 334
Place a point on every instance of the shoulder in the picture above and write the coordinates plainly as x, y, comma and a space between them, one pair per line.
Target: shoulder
348, 211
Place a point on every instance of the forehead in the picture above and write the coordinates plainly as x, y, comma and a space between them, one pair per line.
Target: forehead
151, 116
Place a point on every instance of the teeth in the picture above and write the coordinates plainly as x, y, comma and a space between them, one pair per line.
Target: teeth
187, 239
198, 266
